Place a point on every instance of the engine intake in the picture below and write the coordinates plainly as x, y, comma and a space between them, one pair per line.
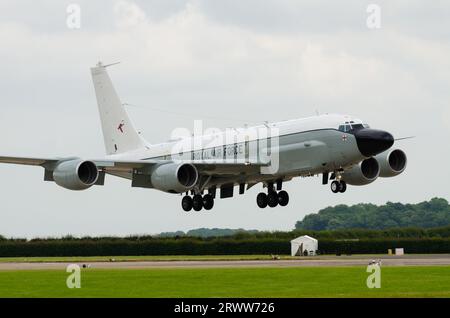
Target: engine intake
174, 177
392, 163
76, 174
364, 173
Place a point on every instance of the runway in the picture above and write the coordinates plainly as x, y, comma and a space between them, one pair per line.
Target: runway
325, 261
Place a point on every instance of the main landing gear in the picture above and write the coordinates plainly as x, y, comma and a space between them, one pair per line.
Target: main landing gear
338, 186
197, 202
272, 199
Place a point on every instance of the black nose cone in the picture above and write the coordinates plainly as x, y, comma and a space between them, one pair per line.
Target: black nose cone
372, 142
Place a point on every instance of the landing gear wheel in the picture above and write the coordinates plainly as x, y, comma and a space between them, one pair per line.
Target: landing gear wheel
261, 200
208, 202
272, 199
342, 187
335, 186
186, 203
197, 203
283, 198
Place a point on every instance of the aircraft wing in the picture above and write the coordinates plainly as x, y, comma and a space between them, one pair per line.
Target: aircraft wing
204, 167
28, 161
105, 164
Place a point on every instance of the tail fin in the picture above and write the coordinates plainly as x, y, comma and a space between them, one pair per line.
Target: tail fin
118, 131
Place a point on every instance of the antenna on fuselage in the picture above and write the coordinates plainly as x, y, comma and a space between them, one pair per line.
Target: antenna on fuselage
107, 65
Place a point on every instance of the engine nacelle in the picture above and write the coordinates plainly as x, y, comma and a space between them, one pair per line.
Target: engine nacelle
174, 177
392, 163
364, 173
76, 174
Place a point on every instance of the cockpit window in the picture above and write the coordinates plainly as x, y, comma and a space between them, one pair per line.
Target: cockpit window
345, 128
351, 126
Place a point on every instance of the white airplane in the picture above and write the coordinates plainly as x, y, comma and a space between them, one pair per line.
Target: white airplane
341, 148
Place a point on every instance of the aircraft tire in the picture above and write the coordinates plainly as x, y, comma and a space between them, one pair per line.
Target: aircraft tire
335, 187
261, 200
342, 187
186, 203
283, 198
272, 199
208, 202
197, 202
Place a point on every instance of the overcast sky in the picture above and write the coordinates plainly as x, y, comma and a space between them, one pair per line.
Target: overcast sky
227, 62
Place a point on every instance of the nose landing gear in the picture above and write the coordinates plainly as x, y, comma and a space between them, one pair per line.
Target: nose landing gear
338, 186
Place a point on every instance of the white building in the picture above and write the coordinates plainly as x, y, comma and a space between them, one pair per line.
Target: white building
304, 245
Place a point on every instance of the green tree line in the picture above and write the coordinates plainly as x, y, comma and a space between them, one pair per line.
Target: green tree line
414, 240
434, 213
218, 246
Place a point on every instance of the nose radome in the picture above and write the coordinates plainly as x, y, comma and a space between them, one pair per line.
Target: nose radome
372, 142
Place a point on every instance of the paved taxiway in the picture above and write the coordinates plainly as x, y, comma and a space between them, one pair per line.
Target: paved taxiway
326, 261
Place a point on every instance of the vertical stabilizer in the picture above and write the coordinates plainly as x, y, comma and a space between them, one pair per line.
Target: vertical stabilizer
118, 131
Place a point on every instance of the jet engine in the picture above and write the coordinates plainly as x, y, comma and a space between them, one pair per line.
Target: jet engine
392, 163
76, 174
363, 173
174, 177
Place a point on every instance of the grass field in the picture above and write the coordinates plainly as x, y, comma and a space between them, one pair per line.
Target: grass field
230, 282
